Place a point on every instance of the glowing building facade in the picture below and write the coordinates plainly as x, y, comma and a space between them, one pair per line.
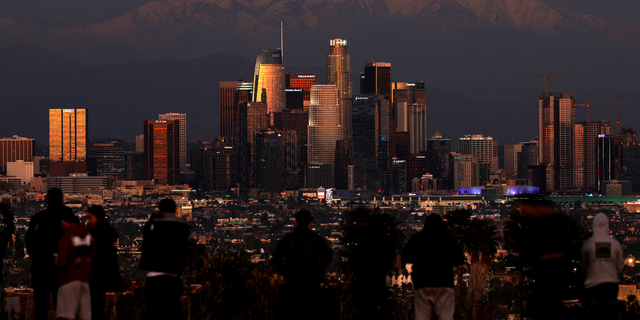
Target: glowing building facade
67, 134
15, 148
556, 120
339, 74
269, 81
182, 119
162, 151
324, 125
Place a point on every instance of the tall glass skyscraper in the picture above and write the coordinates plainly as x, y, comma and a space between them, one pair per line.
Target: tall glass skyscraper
269, 80
365, 130
162, 151
324, 124
556, 120
339, 74
67, 134
182, 118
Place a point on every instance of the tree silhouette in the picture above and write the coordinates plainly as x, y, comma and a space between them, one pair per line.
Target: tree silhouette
480, 242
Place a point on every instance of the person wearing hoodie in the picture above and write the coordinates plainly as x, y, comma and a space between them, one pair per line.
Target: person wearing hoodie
76, 254
105, 276
601, 262
41, 240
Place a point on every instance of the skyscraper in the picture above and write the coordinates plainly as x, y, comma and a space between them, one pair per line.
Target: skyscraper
324, 125
298, 90
585, 153
464, 170
556, 119
15, 148
480, 147
404, 96
269, 76
182, 118
67, 134
376, 78
528, 157
412, 118
227, 106
162, 150
343, 159
364, 141
511, 154
339, 73
269, 164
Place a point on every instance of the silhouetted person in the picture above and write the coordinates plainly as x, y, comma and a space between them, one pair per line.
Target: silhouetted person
105, 275
371, 255
5, 237
602, 264
433, 253
76, 255
301, 257
45, 230
164, 252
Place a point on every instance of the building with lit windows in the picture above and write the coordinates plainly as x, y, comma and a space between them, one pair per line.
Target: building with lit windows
338, 68
324, 125
480, 147
403, 97
464, 169
556, 120
226, 102
67, 134
15, 148
585, 153
298, 92
269, 81
412, 118
162, 151
182, 118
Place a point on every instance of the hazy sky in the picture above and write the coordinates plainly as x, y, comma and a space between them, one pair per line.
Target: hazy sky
622, 10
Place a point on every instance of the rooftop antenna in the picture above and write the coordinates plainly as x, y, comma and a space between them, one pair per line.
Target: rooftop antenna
281, 43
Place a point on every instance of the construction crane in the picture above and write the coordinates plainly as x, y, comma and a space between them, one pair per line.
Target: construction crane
589, 135
544, 78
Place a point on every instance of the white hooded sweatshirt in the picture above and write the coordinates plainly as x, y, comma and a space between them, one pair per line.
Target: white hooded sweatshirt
602, 259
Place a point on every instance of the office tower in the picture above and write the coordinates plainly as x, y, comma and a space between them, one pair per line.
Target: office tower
364, 141
385, 143
20, 169
437, 161
227, 106
338, 68
182, 118
269, 162
298, 92
134, 165
162, 151
528, 157
511, 154
399, 168
224, 165
324, 125
631, 165
140, 143
269, 76
376, 78
77, 183
607, 159
291, 176
105, 159
403, 145
318, 175
298, 121
15, 148
556, 119
67, 134
412, 118
343, 159
585, 151
464, 170
404, 96
416, 165
482, 148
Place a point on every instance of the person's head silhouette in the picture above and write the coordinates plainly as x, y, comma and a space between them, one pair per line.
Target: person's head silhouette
433, 224
303, 219
55, 197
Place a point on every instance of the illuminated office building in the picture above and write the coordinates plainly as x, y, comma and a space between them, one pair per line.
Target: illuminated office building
67, 134
162, 151
376, 78
298, 92
15, 148
324, 125
227, 105
338, 68
412, 118
556, 119
269, 75
182, 118
586, 153
404, 96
